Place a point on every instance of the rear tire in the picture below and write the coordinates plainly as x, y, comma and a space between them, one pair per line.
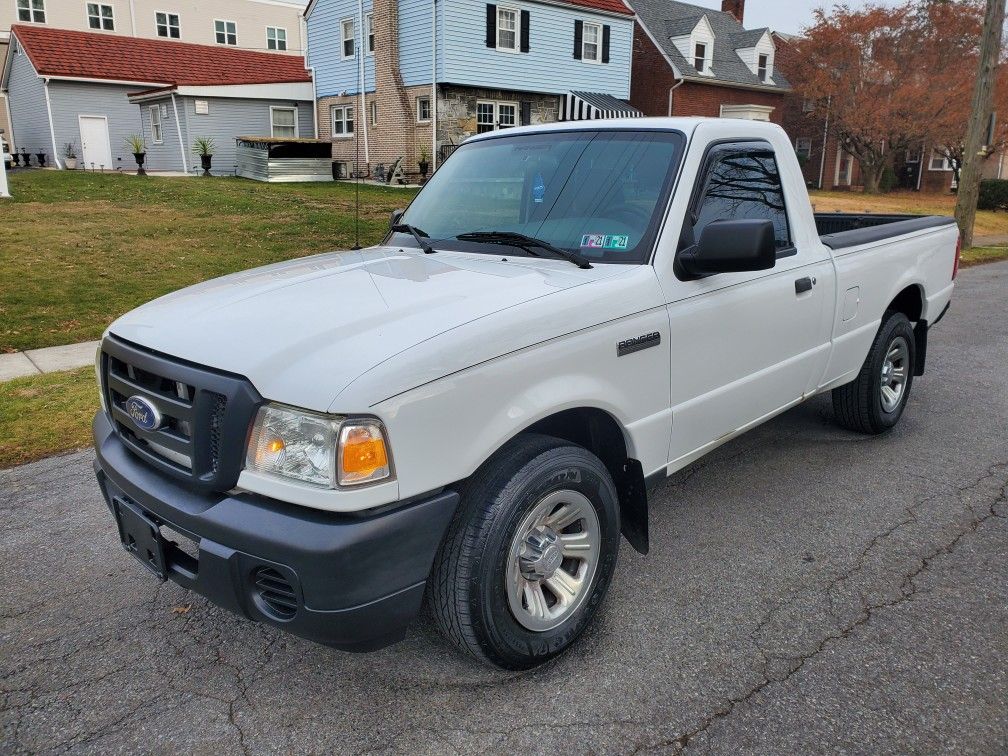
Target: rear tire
874, 401
513, 585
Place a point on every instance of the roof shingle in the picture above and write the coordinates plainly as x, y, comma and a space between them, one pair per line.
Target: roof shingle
665, 19
612, 6
90, 55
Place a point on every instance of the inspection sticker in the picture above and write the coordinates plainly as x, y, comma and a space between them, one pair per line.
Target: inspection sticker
605, 241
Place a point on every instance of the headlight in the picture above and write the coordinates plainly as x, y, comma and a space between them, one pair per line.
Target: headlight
321, 450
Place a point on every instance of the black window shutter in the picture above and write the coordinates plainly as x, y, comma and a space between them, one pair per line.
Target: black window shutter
605, 43
491, 39
578, 34
525, 17
526, 113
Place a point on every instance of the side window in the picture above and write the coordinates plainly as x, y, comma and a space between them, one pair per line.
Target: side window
742, 181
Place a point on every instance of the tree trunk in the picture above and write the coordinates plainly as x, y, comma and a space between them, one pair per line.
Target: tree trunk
983, 104
871, 175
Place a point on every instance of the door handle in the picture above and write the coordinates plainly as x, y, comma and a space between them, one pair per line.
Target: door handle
803, 284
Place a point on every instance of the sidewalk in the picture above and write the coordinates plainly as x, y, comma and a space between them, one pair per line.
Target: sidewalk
48, 360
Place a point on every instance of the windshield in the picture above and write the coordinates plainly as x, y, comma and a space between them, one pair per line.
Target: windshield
599, 193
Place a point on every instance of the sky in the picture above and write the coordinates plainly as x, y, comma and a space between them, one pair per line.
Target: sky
788, 16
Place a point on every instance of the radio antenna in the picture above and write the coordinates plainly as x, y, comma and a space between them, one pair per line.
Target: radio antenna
357, 180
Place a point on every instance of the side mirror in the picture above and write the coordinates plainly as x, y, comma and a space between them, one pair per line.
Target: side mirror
395, 216
730, 246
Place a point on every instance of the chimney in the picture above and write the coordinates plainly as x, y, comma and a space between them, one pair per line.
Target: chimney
735, 7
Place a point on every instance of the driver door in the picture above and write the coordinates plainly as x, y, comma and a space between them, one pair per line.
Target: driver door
744, 345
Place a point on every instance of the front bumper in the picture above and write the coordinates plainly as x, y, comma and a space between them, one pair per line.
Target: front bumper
358, 581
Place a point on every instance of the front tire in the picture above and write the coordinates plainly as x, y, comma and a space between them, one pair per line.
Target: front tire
529, 555
874, 401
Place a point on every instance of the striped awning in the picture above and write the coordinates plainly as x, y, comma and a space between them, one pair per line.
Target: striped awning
586, 106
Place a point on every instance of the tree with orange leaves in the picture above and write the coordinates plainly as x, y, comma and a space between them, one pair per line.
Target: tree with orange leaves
952, 31
859, 66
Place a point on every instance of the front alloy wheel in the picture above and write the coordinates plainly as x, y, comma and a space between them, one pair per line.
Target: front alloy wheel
529, 555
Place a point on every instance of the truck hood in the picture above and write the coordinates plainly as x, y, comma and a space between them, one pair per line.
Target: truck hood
302, 330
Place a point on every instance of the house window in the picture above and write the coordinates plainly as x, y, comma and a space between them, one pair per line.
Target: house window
342, 121
761, 66
99, 16
591, 42
369, 27
807, 105
803, 147
227, 32
283, 122
347, 29
507, 29
167, 24
423, 109
491, 116
276, 38
157, 137
31, 10
700, 56
939, 161
374, 112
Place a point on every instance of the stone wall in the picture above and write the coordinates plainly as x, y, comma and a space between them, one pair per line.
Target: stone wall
457, 109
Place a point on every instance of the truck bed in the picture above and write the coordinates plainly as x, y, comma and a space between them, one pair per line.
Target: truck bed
841, 230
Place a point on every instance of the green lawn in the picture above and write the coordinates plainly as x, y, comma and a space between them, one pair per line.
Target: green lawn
79, 249
46, 414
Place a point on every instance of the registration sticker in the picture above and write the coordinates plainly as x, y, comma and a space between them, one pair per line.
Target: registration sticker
605, 241
538, 189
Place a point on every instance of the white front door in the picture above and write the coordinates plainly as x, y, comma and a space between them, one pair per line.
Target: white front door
744, 345
96, 152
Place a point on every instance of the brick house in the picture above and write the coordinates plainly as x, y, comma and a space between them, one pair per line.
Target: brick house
434, 73
694, 61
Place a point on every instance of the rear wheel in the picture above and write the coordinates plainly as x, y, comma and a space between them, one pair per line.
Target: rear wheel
874, 401
530, 553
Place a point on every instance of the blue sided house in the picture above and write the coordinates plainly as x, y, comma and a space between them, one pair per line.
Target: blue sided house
410, 80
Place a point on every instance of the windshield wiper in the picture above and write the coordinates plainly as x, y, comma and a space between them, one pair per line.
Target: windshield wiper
406, 228
527, 243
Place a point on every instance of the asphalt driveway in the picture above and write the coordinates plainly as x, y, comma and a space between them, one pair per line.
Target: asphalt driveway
808, 590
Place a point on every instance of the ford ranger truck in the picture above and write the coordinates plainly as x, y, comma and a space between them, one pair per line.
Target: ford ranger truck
470, 414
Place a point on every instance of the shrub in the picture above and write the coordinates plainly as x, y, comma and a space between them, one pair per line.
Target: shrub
888, 181
993, 194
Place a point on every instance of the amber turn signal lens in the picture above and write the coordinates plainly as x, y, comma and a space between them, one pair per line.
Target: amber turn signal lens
364, 456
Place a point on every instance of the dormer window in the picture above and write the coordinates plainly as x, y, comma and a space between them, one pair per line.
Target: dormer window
700, 56
761, 66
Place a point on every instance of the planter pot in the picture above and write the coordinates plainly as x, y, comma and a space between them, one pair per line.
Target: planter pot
41, 159
70, 163
26, 159
16, 159
206, 161
140, 157
424, 168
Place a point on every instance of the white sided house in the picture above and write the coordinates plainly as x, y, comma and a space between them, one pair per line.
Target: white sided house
93, 91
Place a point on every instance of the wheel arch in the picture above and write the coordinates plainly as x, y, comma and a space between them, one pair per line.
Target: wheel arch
603, 435
910, 301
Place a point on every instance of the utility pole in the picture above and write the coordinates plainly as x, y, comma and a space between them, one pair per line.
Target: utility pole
983, 105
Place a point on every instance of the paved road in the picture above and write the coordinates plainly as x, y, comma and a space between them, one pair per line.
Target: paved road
808, 590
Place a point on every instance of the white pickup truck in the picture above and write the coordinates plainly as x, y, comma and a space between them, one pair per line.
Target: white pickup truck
471, 413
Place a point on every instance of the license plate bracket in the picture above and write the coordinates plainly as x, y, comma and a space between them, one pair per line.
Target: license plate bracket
141, 537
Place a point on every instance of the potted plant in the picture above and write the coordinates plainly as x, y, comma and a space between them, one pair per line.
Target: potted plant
424, 163
204, 147
138, 147
70, 156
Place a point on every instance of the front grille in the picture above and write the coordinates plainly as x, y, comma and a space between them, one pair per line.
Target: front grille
205, 414
277, 595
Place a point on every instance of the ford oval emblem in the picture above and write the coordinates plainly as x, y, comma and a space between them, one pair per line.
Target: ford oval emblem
143, 414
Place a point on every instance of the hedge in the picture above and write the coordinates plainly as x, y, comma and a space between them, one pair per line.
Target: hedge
993, 195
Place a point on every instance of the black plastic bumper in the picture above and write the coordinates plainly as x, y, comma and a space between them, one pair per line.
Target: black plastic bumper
358, 580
